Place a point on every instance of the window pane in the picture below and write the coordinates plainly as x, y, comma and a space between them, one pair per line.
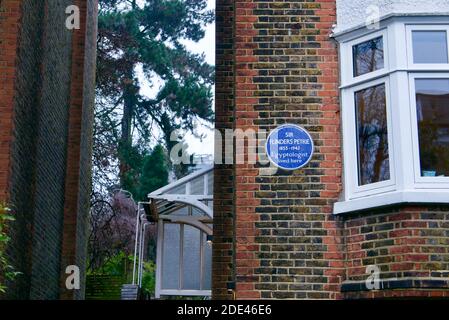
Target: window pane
372, 135
191, 258
430, 47
207, 267
170, 257
197, 186
432, 107
368, 56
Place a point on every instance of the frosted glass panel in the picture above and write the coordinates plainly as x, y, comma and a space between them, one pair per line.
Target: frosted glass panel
210, 183
197, 186
178, 190
191, 258
170, 258
207, 268
181, 212
197, 212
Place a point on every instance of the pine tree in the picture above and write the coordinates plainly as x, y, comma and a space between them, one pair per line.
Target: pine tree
146, 35
154, 173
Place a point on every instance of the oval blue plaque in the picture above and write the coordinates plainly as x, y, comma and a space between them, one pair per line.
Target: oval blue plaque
289, 147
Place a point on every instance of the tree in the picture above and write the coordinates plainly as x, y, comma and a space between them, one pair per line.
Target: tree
146, 173
142, 40
154, 173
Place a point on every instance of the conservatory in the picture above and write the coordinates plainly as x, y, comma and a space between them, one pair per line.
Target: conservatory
184, 216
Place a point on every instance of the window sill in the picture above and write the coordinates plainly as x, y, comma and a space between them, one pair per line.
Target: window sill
392, 198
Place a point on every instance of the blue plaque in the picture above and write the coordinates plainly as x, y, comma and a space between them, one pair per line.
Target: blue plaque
289, 147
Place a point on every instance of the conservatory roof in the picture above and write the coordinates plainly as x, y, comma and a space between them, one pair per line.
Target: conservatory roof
194, 190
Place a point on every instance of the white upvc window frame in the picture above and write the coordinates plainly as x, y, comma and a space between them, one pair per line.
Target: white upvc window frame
410, 56
347, 70
421, 181
351, 85
350, 147
160, 289
399, 73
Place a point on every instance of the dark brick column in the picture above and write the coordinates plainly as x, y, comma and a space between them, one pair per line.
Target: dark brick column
223, 246
46, 108
78, 177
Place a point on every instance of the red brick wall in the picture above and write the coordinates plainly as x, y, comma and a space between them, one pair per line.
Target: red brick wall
9, 25
410, 245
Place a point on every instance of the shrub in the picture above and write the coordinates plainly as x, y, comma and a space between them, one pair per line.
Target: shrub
6, 270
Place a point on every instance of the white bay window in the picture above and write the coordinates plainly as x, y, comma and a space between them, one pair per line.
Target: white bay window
395, 113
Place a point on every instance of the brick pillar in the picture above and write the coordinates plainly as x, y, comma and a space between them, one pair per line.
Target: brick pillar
77, 184
247, 249
223, 246
287, 242
10, 15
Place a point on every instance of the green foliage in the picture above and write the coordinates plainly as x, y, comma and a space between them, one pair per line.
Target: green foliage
115, 266
145, 172
133, 159
121, 265
5, 268
154, 174
149, 278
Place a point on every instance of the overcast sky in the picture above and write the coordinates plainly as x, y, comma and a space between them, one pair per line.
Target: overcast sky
206, 45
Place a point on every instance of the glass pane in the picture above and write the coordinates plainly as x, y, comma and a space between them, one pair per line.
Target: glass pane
430, 47
178, 190
197, 186
191, 258
197, 212
368, 56
170, 257
181, 212
432, 107
372, 135
207, 267
210, 183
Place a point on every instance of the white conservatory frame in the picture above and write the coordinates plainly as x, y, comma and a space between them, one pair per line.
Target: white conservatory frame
399, 73
162, 206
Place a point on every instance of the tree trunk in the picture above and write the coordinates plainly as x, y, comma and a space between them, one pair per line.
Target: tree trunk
129, 98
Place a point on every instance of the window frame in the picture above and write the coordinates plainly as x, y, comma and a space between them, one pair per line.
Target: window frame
410, 57
420, 181
347, 70
160, 289
406, 184
350, 154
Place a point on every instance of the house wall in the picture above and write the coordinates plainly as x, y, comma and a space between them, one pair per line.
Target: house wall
275, 235
354, 13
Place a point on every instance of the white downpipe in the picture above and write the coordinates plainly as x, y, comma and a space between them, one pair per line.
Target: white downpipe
142, 253
136, 241
140, 247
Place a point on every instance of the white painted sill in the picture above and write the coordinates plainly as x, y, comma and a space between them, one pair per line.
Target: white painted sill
430, 196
